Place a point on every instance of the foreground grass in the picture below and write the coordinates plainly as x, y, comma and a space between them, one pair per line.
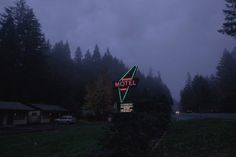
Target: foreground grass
73, 141
200, 138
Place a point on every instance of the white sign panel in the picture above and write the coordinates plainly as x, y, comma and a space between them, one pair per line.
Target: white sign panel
128, 107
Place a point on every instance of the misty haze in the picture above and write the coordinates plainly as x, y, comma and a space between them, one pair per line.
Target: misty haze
128, 78
168, 37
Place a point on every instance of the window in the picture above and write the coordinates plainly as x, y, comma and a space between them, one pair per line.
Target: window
34, 114
45, 115
19, 116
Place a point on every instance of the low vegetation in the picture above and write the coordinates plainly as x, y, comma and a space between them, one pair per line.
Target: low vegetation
195, 138
73, 141
136, 134
200, 138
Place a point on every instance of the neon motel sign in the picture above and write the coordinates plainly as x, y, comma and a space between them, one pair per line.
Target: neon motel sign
126, 82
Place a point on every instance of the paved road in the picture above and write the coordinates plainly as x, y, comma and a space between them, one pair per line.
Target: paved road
190, 116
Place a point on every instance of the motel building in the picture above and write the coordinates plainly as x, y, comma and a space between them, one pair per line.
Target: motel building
44, 113
13, 113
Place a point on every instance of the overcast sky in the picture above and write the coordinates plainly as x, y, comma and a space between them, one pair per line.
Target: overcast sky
172, 37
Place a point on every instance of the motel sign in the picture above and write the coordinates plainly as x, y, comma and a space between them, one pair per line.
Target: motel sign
123, 85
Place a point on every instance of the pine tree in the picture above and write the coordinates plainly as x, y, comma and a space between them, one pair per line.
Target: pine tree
9, 59
226, 77
201, 93
96, 55
107, 63
28, 49
107, 58
61, 52
78, 55
229, 26
187, 95
87, 57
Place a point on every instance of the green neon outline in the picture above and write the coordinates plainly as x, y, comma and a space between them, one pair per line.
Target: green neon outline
127, 72
136, 67
120, 95
126, 92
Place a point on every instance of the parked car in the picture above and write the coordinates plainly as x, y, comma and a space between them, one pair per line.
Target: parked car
66, 119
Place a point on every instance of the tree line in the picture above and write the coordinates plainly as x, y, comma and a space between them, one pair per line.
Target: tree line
35, 71
216, 93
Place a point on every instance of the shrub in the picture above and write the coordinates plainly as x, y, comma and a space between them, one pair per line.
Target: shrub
135, 134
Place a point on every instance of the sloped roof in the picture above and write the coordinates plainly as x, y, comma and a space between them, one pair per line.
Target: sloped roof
6, 105
46, 107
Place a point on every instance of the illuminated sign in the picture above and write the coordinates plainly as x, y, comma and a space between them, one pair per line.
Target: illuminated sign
126, 82
126, 107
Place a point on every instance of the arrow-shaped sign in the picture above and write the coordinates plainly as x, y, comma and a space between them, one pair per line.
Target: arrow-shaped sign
126, 82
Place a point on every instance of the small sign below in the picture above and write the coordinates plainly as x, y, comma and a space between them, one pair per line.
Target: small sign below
128, 107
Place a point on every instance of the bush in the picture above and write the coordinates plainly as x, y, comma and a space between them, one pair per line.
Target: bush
135, 134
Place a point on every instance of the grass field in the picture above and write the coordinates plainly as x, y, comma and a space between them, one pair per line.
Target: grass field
199, 138
73, 141
194, 138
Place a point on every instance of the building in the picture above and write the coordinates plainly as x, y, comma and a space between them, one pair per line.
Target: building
14, 113
43, 113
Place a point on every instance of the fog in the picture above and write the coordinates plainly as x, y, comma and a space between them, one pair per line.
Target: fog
171, 37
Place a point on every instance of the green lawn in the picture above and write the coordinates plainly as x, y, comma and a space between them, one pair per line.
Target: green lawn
73, 141
195, 138
200, 138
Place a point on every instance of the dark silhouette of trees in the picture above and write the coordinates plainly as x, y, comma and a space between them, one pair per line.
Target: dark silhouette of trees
201, 91
226, 77
24, 48
187, 95
78, 56
223, 84
61, 67
214, 93
229, 25
96, 55
200, 95
35, 71
9, 58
